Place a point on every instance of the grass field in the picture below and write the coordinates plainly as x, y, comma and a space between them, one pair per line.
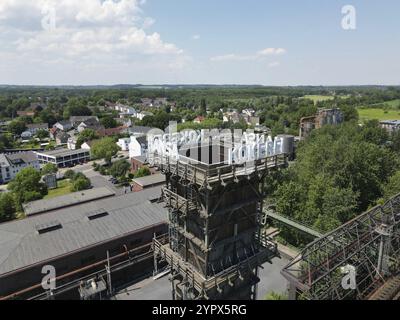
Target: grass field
318, 98
378, 114
64, 187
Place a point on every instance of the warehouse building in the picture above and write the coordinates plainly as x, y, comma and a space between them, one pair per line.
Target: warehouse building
77, 238
64, 157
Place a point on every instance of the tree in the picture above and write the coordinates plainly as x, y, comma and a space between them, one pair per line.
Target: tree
42, 134
105, 149
80, 183
392, 188
49, 168
26, 186
142, 172
17, 127
109, 122
7, 207
119, 168
85, 136
276, 296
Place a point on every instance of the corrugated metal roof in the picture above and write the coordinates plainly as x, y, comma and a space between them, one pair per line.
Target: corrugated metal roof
39, 206
21, 245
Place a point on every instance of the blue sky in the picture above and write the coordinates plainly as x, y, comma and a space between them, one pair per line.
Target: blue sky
190, 41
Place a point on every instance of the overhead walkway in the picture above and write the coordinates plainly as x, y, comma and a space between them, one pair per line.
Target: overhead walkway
291, 223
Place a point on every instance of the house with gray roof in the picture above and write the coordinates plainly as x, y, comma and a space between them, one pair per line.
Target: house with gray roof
11, 164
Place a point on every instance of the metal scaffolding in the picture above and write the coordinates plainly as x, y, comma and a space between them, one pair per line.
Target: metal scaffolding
216, 245
369, 244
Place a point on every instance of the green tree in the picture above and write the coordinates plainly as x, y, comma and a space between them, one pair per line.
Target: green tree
119, 168
85, 136
7, 207
142, 172
80, 183
392, 188
105, 149
109, 122
42, 134
26, 186
17, 127
49, 168
275, 296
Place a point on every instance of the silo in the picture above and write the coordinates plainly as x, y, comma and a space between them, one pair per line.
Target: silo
288, 143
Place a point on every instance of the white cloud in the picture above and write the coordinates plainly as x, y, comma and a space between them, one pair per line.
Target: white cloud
233, 57
271, 51
196, 37
100, 31
257, 56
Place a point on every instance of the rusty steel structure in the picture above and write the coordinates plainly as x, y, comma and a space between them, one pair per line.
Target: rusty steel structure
370, 244
215, 246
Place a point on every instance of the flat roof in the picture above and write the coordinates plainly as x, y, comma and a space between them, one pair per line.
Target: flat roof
62, 152
21, 245
151, 180
393, 122
40, 206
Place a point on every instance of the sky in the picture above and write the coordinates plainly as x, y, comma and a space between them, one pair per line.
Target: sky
267, 42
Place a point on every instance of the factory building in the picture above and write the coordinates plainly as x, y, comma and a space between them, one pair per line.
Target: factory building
75, 241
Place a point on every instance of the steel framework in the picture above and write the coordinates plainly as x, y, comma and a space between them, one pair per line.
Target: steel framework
215, 244
370, 243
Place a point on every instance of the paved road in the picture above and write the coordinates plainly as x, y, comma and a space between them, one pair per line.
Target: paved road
149, 289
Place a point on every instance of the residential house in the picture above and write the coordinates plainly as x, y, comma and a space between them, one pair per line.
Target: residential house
64, 125
35, 127
77, 120
12, 164
112, 131
124, 143
90, 123
62, 138
139, 130
86, 145
71, 143
142, 114
138, 146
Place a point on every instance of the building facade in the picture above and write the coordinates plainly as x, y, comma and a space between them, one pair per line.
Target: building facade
64, 157
12, 164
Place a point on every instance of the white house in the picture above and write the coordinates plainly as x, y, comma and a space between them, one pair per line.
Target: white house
141, 115
12, 164
71, 144
138, 146
124, 143
63, 125
86, 146
35, 127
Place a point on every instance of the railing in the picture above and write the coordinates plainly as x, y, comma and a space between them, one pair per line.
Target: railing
200, 173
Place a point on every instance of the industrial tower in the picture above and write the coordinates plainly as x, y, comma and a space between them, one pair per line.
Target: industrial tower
216, 245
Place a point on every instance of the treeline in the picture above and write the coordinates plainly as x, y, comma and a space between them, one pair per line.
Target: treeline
340, 172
